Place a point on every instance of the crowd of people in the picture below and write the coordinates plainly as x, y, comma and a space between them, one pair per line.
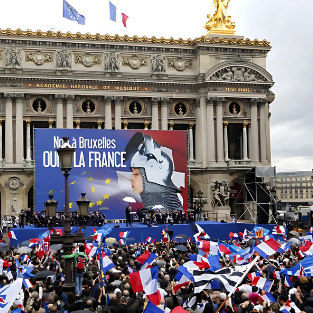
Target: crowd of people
113, 291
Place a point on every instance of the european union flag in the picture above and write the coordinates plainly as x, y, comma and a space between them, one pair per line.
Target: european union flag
112, 12
71, 13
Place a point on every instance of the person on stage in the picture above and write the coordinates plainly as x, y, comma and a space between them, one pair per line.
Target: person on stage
128, 216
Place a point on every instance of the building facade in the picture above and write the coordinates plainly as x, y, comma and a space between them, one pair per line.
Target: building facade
294, 188
217, 87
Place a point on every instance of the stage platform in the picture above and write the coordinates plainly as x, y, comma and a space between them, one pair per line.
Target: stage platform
215, 230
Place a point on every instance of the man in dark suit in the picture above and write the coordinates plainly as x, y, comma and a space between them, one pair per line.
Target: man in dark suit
128, 216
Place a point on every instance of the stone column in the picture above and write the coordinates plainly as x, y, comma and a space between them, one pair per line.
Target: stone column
263, 142
219, 129
108, 112
171, 123
19, 130
1, 143
203, 130
254, 131
99, 125
28, 154
118, 112
69, 111
191, 154
50, 124
245, 141
198, 137
59, 123
210, 130
8, 128
155, 114
77, 124
226, 142
249, 141
164, 113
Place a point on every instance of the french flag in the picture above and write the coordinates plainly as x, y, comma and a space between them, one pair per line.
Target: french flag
276, 274
233, 235
11, 234
279, 230
130, 270
209, 247
147, 280
238, 259
188, 268
25, 258
105, 264
268, 297
91, 250
122, 242
307, 249
267, 248
97, 236
27, 284
149, 261
262, 283
197, 258
149, 240
124, 234
224, 249
252, 276
198, 231
182, 280
143, 258
287, 281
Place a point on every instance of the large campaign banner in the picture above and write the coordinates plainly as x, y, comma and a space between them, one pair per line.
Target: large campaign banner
109, 165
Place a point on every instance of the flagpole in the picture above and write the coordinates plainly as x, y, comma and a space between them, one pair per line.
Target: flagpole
239, 282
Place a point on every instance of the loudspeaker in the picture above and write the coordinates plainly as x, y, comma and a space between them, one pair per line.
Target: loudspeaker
171, 233
117, 226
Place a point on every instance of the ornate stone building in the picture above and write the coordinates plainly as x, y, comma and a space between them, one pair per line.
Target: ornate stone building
215, 86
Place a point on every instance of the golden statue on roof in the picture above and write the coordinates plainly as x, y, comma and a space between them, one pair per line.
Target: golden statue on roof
220, 23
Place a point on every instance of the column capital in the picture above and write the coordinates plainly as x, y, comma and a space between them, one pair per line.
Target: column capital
190, 125
244, 125
50, 124
254, 101
99, 123
220, 99
69, 97
60, 96
165, 100
108, 98
118, 98
210, 100
262, 102
14, 95
171, 123
1, 123
28, 123
155, 100
225, 124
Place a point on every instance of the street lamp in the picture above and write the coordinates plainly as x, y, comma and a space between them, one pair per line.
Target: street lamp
51, 206
83, 205
65, 153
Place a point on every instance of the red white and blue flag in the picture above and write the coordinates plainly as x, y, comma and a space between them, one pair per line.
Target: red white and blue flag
279, 230
268, 297
12, 235
150, 240
147, 280
262, 283
307, 249
267, 248
209, 247
124, 234
149, 261
287, 281
104, 263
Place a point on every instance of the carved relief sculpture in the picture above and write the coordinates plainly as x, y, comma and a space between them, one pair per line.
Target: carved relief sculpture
64, 59
38, 57
87, 59
158, 64
111, 62
238, 74
180, 64
13, 58
220, 193
134, 62
14, 201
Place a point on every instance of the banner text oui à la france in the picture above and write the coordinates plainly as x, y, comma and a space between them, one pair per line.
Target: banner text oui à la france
87, 157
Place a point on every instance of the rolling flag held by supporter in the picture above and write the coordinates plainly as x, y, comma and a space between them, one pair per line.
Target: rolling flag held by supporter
43, 248
209, 247
307, 249
198, 231
8, 294
166, 237
182, 280
279, 230
123, 236
227, 279
151, 308
12, 235
149, 261
104, 262
262, 283
267, 248
147, 280
150, 240
268, 297
287, 282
